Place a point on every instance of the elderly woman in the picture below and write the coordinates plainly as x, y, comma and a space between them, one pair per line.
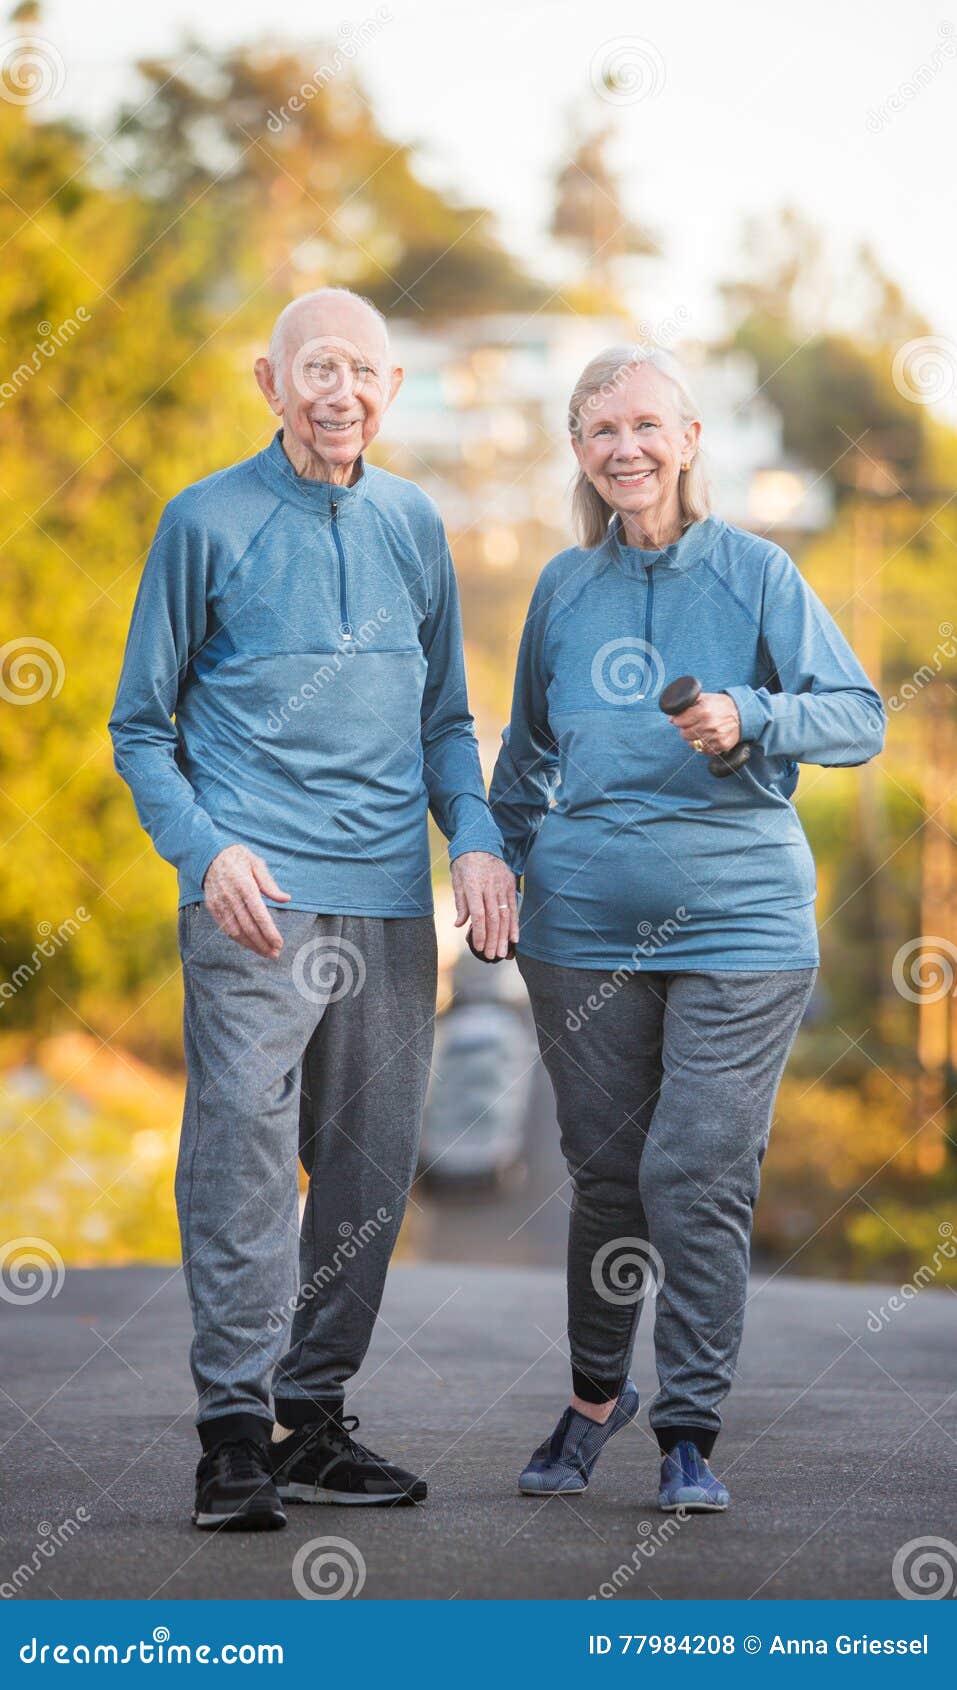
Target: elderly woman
668, 939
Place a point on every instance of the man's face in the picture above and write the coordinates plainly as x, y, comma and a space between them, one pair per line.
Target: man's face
333, 383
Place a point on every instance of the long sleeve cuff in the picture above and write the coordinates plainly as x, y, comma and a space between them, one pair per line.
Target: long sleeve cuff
475, 830
192, 845
746, 702
199, 858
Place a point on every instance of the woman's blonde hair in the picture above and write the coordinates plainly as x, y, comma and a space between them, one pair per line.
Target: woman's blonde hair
601, 377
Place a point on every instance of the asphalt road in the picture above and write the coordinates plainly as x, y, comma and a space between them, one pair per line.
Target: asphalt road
839, 1448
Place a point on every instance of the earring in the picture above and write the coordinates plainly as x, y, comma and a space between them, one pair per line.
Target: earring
686, 466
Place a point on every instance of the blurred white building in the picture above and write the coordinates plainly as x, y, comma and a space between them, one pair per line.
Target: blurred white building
481, 423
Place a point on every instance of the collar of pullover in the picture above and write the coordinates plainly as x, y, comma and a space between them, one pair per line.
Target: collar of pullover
697, 539
315, 496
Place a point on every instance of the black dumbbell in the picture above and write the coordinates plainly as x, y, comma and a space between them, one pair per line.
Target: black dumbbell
481, 954
677, 697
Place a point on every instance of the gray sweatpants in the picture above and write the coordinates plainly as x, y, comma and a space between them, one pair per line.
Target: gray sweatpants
322, 1055
665, 1086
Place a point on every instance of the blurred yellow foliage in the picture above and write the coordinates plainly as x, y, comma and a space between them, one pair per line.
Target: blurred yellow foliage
849, 1183
91, 1137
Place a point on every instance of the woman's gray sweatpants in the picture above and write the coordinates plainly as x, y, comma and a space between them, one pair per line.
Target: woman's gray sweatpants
665, 1086
322, 1055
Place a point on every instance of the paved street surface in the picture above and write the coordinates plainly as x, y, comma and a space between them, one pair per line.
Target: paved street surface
839, 1449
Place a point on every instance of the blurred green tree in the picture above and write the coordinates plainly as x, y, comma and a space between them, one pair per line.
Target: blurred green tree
590, 219
832, 386
280, 155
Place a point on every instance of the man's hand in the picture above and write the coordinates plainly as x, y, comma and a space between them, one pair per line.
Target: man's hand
484, 890
713, 720
232, 885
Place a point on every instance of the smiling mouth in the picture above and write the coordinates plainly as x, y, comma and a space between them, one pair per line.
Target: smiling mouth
633, 478
329, 426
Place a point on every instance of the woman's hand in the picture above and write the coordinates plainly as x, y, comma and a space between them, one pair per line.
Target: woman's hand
713, 722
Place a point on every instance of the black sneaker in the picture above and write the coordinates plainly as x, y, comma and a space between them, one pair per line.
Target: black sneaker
322, 1463
235, 1489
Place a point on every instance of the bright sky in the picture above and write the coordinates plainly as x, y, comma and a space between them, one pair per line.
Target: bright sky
740, 107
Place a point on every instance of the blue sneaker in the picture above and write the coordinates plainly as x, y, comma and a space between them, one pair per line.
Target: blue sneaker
564, 1462
688, 1482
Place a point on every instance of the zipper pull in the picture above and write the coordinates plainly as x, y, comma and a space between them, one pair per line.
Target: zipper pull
345, 628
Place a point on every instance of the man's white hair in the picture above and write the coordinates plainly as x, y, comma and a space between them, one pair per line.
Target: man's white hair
277, 340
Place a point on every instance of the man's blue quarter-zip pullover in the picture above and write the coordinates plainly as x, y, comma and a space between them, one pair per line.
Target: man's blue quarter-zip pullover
308, 641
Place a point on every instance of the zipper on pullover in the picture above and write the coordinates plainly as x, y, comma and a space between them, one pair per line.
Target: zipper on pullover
345, 626
649, 604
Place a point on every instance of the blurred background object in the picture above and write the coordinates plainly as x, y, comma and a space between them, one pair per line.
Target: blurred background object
482, 1071
147, 250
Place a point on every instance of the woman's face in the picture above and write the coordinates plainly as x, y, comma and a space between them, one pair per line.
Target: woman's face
632, 443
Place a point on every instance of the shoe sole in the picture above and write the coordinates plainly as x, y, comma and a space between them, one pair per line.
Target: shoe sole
263, 1521
693, 1507
348, 1499
553, 1490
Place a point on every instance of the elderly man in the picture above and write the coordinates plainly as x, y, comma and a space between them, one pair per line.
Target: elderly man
298, 616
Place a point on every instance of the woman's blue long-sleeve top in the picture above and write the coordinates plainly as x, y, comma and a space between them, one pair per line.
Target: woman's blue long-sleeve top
633, 854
